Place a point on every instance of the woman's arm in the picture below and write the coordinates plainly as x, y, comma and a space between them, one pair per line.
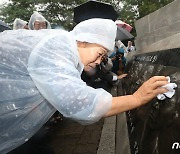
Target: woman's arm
150, 89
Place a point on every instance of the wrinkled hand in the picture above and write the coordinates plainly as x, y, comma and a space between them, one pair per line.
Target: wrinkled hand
150, 89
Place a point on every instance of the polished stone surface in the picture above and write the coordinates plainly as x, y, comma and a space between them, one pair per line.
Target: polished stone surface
154, 127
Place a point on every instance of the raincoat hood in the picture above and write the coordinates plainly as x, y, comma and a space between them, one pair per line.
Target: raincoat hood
37, 17
99, 31
19, 23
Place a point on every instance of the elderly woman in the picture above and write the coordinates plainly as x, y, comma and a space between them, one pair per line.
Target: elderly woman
37, 22
40, 72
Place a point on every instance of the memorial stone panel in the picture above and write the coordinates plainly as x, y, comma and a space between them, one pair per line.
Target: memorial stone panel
155, 127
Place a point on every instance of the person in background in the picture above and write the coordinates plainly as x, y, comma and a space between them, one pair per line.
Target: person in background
106, 66
122, 60
37, 22
130, 47
101, 76
119, 61
20, 24
119, 44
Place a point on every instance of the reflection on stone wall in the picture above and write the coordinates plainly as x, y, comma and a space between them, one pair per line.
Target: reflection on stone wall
154, 127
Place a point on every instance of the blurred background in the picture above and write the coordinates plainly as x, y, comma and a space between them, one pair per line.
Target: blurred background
60, 12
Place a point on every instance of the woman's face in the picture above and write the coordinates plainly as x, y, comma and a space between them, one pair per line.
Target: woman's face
26, 27
91, 55
40, 25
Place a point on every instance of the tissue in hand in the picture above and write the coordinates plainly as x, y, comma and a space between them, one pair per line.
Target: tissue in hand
170, 87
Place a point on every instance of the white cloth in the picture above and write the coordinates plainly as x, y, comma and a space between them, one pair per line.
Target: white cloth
114, 78
170, 87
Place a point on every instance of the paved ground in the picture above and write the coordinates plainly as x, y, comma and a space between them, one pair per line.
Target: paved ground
64, 137
74, 138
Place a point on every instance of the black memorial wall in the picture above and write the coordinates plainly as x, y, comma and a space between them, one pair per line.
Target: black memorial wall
155, 127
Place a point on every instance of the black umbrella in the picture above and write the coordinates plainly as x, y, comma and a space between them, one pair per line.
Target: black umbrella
3, 26
94, 9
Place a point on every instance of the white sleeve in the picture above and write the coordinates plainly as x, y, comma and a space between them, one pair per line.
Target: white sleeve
53, 68
114, 78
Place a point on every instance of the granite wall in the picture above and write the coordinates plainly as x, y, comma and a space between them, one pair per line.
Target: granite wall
155, 128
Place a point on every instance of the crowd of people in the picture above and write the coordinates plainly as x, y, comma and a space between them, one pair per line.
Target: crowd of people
36, 22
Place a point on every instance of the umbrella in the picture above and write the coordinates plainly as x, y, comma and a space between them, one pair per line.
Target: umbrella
94, 9
123, 25
3, 26
123, 34
123, 31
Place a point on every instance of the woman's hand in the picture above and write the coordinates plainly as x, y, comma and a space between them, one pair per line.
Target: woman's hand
150, 89
121, 76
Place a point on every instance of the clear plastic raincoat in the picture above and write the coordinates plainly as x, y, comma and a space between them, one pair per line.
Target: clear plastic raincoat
36, 16
19, 23
39, 74
23, 110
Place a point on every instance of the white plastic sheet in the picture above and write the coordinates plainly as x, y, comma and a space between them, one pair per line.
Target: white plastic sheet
23, 110
55, 68
19, 23
52, 59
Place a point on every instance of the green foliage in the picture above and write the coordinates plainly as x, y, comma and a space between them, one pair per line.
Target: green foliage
17, 9
60, 12
57, 12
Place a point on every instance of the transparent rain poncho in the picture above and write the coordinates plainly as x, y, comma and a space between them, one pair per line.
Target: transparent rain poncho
37, 17
19, 23
36, 66
55, 68
23, 110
